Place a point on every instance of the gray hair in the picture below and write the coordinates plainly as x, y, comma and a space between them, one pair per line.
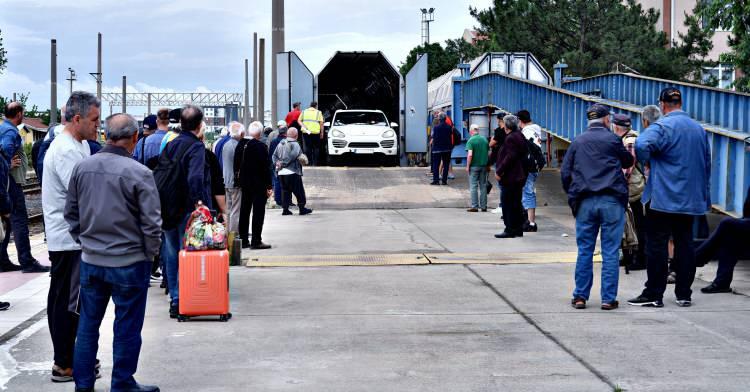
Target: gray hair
236, 129
121, 126
80, 103
511, 121
443, 117
255, 128
474, 127
651, 114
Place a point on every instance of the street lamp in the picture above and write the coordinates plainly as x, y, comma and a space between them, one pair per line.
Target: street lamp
71, 78
427, 17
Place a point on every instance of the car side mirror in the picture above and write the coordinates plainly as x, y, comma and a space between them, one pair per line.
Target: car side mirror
327, 124
394, 125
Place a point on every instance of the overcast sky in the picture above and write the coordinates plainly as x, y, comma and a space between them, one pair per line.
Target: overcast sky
200, 45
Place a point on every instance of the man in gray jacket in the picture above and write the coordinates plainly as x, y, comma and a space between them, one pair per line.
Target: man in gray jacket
286, 160
117, 249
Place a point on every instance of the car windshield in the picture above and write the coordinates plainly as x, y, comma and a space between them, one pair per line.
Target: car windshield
360, 118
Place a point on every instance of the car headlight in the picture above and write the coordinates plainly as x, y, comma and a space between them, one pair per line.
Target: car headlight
337, 133
389, 133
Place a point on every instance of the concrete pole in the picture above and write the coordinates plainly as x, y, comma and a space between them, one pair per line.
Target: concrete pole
261, 115
277, 46
14, 97
255, 77
53, 83
246, 110
148, 98
124, 94
99, 67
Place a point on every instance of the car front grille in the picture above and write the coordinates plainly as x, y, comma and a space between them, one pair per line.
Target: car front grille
338, 143
387, 143
363, 145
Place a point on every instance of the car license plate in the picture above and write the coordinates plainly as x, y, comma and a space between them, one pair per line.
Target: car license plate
364, 151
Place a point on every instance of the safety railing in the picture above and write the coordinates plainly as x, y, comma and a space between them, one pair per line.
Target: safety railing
562, 113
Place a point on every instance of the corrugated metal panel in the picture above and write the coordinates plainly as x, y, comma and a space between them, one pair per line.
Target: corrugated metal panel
725, 115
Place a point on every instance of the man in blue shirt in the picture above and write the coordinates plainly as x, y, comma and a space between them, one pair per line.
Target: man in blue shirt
441, 150
598, 195
149, 127
152, 144
676, 149
10, 144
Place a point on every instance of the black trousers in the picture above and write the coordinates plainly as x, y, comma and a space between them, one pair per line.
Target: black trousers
510, 198
63, 323
445, 158
728, 243
312, 147
637, 256
252, 200
659, 227
291, 184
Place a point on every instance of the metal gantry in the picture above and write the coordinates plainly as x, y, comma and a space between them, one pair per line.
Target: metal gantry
173, 99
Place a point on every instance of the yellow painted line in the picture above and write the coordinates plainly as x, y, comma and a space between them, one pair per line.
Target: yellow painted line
336, 260
506, 258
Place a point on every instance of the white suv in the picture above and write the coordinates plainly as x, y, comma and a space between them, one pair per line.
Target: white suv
361, 132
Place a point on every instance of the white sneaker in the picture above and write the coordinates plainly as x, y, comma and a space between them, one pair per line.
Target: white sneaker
497, 210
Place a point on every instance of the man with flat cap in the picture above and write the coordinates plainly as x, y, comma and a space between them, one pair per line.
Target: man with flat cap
677, 151
598, 195
633, 259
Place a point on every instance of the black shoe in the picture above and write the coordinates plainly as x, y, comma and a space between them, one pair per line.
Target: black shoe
472, 209
35, 267
174, 310
642, 300
637, 266
444, 183
260, 245
61, 375
85, 389
484, 210
578, 303
713, 288
505, 234
286, 212
9, 267
305, 211
434, 183
684, 303
245, 244
143, 388
610, 305
4, 305
530, 228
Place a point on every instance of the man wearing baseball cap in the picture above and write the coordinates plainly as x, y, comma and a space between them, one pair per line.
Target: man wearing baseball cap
677, 150
149, 127
598, 195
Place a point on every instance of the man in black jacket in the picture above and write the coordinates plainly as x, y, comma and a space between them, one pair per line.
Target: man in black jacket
255, 180
728, 243
511, 175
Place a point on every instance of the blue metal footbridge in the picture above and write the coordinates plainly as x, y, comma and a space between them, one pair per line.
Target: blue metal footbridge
561, 111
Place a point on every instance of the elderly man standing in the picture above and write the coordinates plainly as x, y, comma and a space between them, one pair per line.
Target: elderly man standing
233, 190
478, 152
598, 195
286, 159
12, 152
255, 181
114, 264
511, 175
678, 188
69, 148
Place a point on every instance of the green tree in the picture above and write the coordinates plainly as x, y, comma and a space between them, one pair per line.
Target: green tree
734, 14
440, 60
592, 36
3, 54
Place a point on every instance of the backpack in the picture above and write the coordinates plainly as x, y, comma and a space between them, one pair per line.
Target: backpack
281, 153
534, 161
170, 179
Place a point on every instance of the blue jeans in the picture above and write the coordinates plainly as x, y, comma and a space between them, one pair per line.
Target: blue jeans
19, 224
478, 179
127, 286
171, 243
276, 187
595, 212
529, 193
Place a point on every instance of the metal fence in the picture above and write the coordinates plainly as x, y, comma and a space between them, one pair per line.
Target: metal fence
562, 113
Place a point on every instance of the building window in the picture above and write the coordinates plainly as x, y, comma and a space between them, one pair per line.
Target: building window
722, 76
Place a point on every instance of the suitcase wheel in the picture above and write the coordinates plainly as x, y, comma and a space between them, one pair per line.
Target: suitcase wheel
225, 317
181, 318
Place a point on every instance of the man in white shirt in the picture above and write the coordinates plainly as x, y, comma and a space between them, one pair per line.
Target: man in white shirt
67, 149
531, 132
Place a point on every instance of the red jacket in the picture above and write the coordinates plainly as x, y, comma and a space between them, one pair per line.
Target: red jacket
292, 118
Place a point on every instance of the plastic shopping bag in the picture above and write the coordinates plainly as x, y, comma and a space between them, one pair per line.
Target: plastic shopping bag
203, 233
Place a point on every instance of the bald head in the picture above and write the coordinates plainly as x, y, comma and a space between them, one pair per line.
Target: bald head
14, 113
122, 131
292, 133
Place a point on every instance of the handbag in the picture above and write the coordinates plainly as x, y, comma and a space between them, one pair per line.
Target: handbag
629, 235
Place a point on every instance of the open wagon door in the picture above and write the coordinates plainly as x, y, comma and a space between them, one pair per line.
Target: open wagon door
295, 83
414, 133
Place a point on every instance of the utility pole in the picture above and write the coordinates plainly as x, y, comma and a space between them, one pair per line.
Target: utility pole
261, 113
53, 83
277, 46
98, 74
255, 77
246, 111
427, 17
124, 94
71, 78
14, 97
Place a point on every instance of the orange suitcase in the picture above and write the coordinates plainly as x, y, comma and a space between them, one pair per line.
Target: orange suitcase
204, 284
